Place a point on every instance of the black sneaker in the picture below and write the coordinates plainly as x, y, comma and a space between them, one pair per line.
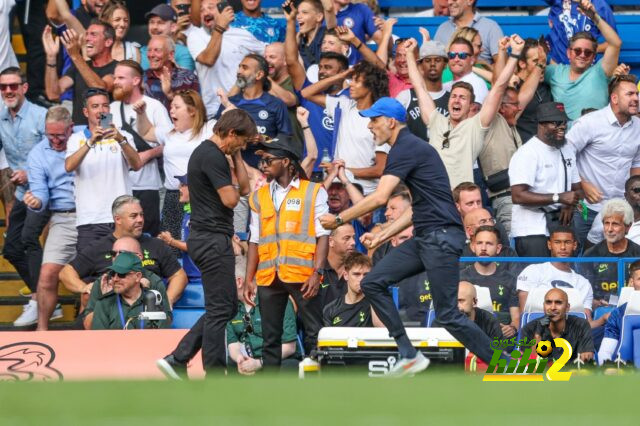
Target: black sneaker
172, 368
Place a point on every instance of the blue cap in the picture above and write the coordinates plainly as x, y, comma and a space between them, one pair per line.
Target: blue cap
387, 107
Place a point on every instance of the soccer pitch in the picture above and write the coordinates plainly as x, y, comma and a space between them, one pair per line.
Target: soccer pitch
339, 397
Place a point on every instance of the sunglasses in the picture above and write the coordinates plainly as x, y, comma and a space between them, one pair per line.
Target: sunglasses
579, 51
461, 55
121, 276
445, 142
12, 86
248, 326
268, 160
95, 91
556, 123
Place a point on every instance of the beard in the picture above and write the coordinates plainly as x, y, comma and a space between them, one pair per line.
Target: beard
486, 263
243, 82
121, 93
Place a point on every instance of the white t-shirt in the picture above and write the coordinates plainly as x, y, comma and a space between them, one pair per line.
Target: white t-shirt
480, 90
7, 55
540, 166
236, 44
102, 176
355, 144
147, 178
548, 276
178, 147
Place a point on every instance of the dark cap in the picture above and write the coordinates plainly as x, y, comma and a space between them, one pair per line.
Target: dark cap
282, 146
125, 263
551, 111
182, 179
163, 11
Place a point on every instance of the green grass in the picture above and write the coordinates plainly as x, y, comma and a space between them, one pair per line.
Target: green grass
342, 399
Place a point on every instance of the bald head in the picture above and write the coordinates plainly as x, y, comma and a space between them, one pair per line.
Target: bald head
274, 54
556, 305
128, 244
467, 298
475, 218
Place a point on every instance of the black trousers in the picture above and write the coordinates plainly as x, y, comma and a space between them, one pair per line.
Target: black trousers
32, 34
191, 343
90, 233
437, 253
532, 246
213, 255
273, 302
150, 202
22, 245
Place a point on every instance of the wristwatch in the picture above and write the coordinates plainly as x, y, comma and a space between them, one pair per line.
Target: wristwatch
339, 220
555, 198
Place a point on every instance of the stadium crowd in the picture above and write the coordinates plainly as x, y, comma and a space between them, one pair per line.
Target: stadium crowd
538, 141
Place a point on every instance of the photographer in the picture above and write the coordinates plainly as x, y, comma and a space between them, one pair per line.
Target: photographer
101, 157
121, 312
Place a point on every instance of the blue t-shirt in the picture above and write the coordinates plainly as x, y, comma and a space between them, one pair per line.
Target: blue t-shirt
265, 28
359, 18
269, 113
419, 165
590, 90
567, 22
181, 56
613, 326
190, 268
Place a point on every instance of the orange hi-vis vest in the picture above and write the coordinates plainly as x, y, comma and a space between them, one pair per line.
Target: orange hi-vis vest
287, 243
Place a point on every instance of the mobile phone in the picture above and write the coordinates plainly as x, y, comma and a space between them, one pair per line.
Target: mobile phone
183, 9
287, 8
105, 120
222, 5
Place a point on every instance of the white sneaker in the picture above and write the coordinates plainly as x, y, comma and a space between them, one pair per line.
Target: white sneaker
409, 366
29, 315
57, 312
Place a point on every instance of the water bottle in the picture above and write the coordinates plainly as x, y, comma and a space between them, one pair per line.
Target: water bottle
325, 160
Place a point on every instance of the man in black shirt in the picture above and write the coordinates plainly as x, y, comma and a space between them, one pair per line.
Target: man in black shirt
128, 218
213, 197
438, 240
352, 309
556, 323
499, 281
341, 244
617, 218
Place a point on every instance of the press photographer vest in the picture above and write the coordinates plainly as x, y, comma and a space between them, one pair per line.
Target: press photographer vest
287, 241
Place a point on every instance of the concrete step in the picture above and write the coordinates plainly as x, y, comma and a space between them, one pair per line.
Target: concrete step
10, 285
10, 312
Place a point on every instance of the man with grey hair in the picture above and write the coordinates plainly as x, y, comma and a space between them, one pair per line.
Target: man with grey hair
95, 259
51, 192
617, 218
164, 78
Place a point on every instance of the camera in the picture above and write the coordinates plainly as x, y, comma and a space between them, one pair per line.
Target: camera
152, 301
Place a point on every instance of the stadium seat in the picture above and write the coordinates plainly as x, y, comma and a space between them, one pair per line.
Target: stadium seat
630, 322
484, 298
625, 295
186, 317
395, 295
192, 297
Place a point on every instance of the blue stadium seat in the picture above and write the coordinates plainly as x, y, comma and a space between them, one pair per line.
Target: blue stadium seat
186, 317
630, 323
395, 296
192, 297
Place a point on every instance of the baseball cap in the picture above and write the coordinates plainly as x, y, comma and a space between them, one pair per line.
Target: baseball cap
182, 179
432, 48
551, 111
126, 262
163, 11
281, 145
387, 107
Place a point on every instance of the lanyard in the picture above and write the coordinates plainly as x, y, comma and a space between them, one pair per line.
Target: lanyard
122, 322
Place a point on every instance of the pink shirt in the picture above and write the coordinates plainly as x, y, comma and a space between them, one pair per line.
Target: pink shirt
397, 84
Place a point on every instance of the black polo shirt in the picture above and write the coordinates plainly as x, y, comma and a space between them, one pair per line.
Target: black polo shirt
94, 261
419, 165
341, 314
604, 276
501, 285
332, 287
514, 268
487, 323
577, 332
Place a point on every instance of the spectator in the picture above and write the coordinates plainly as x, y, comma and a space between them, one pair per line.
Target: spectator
185, 21
632, 196
58, 12
163, 79
468, 305
145, 183
617, 218
545, 186
607, 149
398, 203
117, 15
562, 243
98, 155
458, 138
566, 19
217, 62
481, 68
440, 7
7, 56
310, 16
189, 129
102, 287
269, 112
352, 309
262, 26
161, 20
499, 281
613, 326
557, 324
94, 260
432, 60
358, 18
468, 199
397, 71
97, 72
331, 43
583, 84
22, 126
463, 13
461, 62
51, 189
117, 313
354, 143
278, 281
341, 244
